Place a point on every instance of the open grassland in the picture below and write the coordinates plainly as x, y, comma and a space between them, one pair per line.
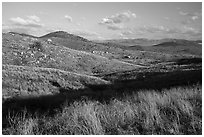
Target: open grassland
171, 111
33, 81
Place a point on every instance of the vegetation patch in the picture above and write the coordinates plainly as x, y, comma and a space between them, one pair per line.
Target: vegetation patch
145, 112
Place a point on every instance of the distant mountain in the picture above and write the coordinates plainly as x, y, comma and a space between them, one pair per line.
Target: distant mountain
168, 46
149, 42
165, 44
178, 42
123, 46
132, 42
177, 46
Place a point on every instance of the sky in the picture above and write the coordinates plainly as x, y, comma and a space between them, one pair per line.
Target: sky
108, 20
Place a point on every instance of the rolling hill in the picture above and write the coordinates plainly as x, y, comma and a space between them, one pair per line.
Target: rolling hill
178, 47
24, 81
63, 34
18, 50
110, 49
169, 46
42, 74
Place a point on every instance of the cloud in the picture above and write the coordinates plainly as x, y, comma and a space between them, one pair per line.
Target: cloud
34, 18
127, 33
193, 16
115, 22
31, 21
191, 31
118, 18
69, 18
29, 25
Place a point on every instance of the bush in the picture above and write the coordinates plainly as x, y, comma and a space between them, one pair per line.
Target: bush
37, 45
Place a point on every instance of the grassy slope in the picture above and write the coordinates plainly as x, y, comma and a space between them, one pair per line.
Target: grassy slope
19, 81
173, 111
110, 50
16, 51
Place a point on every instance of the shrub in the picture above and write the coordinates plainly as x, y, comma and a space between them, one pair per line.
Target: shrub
37, 45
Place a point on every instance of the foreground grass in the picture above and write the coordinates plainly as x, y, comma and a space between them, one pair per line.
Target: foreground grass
171, 111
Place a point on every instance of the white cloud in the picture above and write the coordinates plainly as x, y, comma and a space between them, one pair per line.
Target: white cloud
69, 18
190, 29
127, 33
31, 21
29, 25
118, 18
193, 16
115, 22
34, 18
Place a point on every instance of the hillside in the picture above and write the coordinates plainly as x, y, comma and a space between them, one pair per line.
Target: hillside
19, 50
168, 46
111, 50
178, 47
97, 59
63, 34
24, 81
